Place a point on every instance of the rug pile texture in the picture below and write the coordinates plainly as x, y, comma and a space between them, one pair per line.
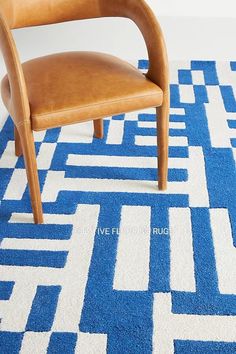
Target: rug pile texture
119, 267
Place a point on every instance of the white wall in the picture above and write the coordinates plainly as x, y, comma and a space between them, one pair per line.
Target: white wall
197, 8
203, 29
198, 29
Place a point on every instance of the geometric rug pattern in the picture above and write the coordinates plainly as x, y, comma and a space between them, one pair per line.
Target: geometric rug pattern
118, 266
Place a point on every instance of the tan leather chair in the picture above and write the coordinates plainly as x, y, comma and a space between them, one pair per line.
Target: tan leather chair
68, 88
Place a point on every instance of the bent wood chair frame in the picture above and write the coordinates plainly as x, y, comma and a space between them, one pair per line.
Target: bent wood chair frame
23, 13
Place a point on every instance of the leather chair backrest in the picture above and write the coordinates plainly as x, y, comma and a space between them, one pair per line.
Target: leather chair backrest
25, 13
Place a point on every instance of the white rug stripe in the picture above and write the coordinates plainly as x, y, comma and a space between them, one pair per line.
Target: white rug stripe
225, 74
169, 326
31, 244
37, 275
8, 310
122, 161
173, 125
231, 115
115, 132
133, 116
177, 111
91, 343
132, 263
76, 269
8, 158
234, 153
217, 119
146, 140
45, 156
198, 77
225, 252
39, 136
77, 133
56, 182
4, 116
197, 178
60, 219
186, 94
16, 186
34, 342
232, 133
182, 276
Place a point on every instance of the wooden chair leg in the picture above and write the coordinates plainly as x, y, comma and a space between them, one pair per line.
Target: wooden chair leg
163, 140
98, 128
18, 149
28, 148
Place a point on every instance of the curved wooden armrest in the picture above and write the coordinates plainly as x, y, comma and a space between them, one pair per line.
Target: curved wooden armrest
140, 13
19, 104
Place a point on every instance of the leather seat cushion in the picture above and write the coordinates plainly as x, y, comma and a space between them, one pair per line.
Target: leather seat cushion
71, 87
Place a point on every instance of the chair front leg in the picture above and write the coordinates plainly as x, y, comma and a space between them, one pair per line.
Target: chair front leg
163, 141
18, 149
28, 149
98, 128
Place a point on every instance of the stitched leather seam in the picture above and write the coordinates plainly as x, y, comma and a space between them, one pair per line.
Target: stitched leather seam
80, 121
92, 105
65, 124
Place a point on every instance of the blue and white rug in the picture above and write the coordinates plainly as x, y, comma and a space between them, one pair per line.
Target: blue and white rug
119, 267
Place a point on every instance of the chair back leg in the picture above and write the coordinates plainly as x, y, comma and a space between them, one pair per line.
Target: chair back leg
28, 149
98, 128
163, 142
